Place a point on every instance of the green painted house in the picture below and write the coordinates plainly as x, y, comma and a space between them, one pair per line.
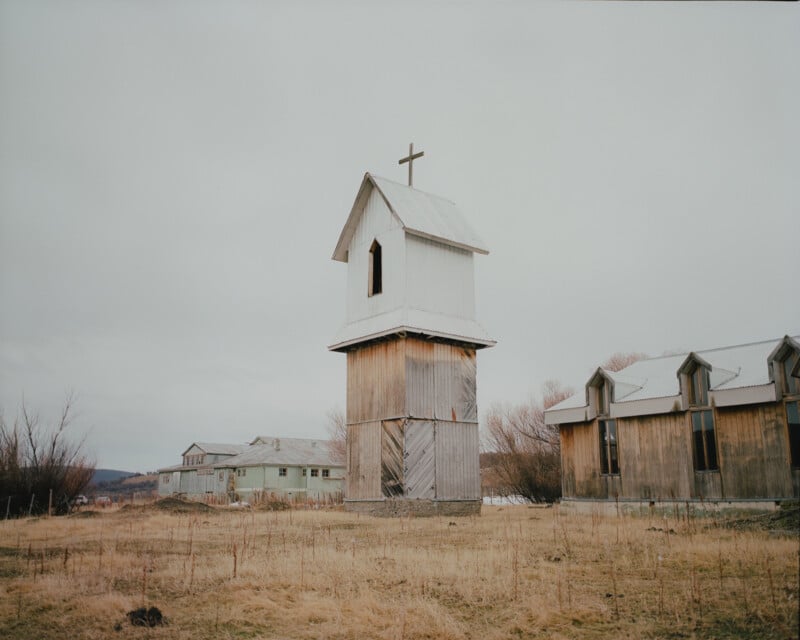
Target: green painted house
293, 468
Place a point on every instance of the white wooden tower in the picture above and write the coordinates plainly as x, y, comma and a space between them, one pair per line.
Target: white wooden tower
410, 337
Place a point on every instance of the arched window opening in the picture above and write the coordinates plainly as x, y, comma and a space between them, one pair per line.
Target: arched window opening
375, 269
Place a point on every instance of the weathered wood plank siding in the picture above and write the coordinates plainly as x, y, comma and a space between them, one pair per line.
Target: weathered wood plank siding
376, 382
753, 451
654, 456
419, 459
392, 439
657, 462
580, 456
457, 461
420, 380
364, 461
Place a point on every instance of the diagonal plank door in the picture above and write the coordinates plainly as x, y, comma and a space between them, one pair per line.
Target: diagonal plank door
419, 459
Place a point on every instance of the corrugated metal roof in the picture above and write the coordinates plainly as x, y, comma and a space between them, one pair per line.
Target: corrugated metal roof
284, 451
736, 367
420, 213
213, 448
406, 320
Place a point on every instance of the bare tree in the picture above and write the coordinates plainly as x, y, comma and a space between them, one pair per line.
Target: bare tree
337, 434
41, 467
527, 458
618, 361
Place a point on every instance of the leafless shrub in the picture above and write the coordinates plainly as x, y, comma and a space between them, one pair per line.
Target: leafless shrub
527, 452
41, 468
337, 433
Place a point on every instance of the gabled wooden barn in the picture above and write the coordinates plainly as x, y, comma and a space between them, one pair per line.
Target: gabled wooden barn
411, 339
719, 427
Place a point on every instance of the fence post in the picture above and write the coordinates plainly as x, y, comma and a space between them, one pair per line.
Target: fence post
30, 508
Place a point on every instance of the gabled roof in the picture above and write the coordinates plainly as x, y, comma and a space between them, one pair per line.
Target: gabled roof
782, 350
216, 448
419, 213
283, 451
740, 372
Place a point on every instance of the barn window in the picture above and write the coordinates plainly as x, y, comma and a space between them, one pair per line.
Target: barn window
793, 422
326, 473
305, 472
282, 471
698, 387
375, 269
789, 383
705, 442
315, 473
603, 397
609, 461
241, 472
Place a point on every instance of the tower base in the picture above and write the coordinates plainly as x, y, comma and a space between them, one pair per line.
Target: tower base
398, 507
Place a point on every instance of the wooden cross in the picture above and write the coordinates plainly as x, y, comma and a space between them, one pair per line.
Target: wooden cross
410, 160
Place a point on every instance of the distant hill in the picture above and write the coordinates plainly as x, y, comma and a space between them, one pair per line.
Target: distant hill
109, 475
121, 485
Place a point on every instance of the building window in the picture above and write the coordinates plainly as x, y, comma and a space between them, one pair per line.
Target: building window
326, 473
282, 471
305, 472
793, 422
314, 473
705, 442
789, 383
241, 472
165, 478
375, 269
609, 462
603, 398
698, 387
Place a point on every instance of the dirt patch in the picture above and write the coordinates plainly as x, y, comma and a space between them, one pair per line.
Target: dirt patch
176, 505
84, 514
784, 520
142, 617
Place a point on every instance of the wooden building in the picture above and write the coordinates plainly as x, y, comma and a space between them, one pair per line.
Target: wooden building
718, 427
411, 339
293, 468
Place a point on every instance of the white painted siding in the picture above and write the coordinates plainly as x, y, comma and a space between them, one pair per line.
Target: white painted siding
440, 278
379, 224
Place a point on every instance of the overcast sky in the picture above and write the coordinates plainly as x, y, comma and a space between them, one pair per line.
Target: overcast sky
174, 177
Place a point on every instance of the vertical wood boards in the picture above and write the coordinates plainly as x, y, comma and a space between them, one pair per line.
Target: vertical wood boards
653, 456
364, 461
410, 377
376, 382
656, 457
419, 459
753, 451
457, 461
412, 421
420, 389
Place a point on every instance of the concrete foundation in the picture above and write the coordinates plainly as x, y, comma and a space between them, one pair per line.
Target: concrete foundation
392, 508
695, 508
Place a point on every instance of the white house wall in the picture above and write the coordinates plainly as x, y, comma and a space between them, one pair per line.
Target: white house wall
377, 223
440, 278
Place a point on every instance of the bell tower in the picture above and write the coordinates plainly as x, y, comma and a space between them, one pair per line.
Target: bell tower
411, 339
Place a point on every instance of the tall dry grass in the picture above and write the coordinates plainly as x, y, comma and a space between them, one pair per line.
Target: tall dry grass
512, 572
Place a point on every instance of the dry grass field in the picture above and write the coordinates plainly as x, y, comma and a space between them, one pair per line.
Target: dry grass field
515, 571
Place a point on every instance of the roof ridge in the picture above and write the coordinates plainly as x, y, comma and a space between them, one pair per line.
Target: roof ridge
724, 348
400, 184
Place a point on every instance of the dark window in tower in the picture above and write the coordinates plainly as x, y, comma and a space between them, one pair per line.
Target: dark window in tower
375, 269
